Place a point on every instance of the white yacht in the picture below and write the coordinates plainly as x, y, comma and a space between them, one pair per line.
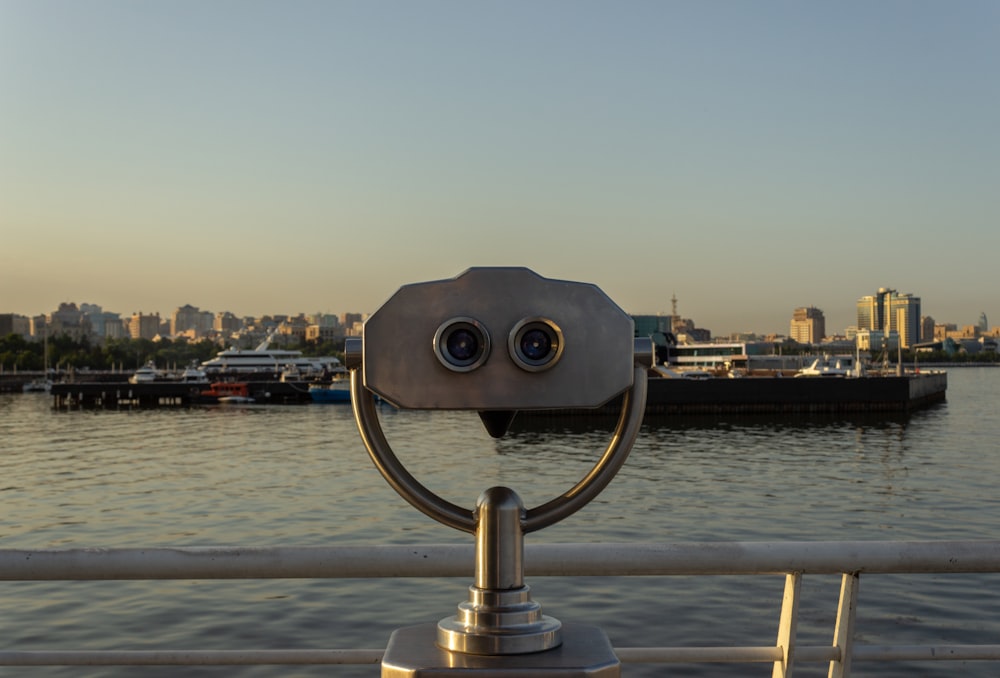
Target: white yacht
145, 374
827, 366
264, 359
193, 374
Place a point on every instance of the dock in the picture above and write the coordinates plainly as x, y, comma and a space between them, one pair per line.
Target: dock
113, 395
813, 395
748, 395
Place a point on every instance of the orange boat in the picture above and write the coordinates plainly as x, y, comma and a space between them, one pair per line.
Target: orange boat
227, 392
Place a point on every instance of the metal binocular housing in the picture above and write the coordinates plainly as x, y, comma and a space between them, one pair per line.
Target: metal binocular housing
498, 340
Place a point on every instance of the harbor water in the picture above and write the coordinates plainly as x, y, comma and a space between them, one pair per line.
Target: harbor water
277, 475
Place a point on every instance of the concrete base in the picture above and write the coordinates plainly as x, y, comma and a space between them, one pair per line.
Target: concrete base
585, 652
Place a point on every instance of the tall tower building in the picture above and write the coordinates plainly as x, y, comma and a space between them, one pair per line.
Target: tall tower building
808, 325
185, 318
144, 326
888, 312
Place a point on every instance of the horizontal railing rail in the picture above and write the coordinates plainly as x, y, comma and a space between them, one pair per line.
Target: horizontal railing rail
791, 559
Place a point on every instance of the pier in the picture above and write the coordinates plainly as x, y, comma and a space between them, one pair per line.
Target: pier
812, 395
113, 395
748, 395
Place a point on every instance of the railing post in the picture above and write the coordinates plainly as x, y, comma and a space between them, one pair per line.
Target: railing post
843, 635
786, 627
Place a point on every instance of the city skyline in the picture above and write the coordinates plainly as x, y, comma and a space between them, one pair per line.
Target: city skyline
790, 330
265, 157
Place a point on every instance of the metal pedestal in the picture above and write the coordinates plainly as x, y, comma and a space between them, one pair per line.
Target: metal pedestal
585, 652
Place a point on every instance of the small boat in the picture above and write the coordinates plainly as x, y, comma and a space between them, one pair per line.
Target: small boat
37, 386
228, 393
236, 400
337, 391
291, 373
829, 367
193, 374
145, 374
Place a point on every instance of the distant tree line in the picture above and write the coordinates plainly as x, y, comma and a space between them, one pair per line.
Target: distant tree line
65, 353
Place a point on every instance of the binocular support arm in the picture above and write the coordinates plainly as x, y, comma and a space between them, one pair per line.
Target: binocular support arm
401, 480
617, 451
447, 513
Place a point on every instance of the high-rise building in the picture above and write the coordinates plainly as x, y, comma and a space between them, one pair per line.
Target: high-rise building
655, 326
12, 323
808, 325
184, 318
68, 320
189, 319
144, 326
226, 322
888, 311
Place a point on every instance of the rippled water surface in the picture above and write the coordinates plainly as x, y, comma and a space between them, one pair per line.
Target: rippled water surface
298, 475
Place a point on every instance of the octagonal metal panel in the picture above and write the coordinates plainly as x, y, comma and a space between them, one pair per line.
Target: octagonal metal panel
400, 363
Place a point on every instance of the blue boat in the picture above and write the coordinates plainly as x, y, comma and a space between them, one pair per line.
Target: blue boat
337, 391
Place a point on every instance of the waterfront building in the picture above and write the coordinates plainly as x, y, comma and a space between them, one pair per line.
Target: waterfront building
106, 325
889, 311
349, 319
190, 320
325, 320
808, 325
67, 320
875, 341
12, 323
226, 323
927, 325
324, 332
655, 326
115, 327
292, 329
143, 326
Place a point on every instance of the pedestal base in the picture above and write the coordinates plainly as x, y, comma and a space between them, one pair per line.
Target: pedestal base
585, 652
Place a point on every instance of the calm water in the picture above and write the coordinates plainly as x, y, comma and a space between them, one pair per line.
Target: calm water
298, 475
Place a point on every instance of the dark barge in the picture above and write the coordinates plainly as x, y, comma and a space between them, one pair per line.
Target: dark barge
747, 395
113, 395
784, 395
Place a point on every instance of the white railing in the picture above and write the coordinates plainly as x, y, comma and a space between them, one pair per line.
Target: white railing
793, 559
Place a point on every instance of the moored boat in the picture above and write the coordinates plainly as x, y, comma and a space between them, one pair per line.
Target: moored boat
193, 374
336, 391
840, 366
145, 374
265, 360
227, 392
37, 386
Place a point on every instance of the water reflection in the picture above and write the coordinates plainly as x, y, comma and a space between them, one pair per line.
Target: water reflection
298, 475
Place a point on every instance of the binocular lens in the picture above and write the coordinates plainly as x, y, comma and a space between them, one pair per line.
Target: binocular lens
461, 344
535, 344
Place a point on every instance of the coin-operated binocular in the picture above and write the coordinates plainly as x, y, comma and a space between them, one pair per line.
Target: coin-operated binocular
499, 340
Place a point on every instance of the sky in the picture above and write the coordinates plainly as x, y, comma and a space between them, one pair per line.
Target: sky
257, 157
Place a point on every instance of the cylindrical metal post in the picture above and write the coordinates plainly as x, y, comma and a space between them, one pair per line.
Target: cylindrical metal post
499, 540
499, 618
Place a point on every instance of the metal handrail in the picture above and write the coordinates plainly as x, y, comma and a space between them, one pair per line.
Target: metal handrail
793, 559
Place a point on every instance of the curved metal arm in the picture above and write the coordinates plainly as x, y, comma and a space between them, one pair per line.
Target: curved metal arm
408, 487
617, 451
443, 511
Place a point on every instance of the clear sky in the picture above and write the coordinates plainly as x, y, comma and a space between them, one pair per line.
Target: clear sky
278, 157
